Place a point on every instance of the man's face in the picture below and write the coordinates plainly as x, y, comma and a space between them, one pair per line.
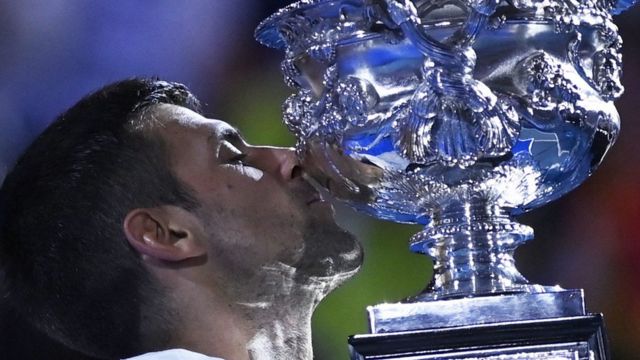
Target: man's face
257, 212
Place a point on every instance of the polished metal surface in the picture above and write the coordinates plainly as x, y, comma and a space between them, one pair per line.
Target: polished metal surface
457, 115
579, 351
386, 318
575, 337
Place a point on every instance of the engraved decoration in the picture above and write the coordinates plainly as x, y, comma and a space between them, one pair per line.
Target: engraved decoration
455, 114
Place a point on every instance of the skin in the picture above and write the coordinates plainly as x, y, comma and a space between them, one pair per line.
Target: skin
245, 270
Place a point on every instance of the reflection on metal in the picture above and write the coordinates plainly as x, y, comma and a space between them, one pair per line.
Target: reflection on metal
458, 115
386, 318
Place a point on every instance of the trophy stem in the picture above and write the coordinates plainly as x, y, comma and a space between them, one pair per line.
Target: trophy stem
472, 245
475, 278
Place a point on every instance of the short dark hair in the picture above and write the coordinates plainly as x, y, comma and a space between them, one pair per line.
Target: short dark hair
67, 265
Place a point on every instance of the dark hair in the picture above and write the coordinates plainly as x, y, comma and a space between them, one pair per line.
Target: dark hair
67, 266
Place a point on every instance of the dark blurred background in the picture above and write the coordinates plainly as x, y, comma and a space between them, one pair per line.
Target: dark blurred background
54, 52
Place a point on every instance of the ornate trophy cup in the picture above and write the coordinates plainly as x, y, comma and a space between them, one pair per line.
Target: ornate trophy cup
458, 115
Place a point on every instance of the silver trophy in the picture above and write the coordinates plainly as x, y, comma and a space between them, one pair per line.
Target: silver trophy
458, 115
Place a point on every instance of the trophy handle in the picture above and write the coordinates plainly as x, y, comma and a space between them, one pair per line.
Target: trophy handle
454, 52
404, 14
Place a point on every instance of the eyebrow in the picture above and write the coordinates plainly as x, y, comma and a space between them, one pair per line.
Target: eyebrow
229, 134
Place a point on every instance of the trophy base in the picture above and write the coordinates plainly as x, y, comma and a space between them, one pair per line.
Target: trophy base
544, 325
571, 338
398, 317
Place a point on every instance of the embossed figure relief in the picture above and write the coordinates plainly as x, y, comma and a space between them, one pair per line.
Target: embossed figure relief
457, 115
443, 105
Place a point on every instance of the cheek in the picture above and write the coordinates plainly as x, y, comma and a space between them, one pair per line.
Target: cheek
260, 198
272, 222
263, 224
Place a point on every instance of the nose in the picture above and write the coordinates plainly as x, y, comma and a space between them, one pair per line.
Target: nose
280, 162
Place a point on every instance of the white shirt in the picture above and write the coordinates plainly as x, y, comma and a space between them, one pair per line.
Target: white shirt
173, 354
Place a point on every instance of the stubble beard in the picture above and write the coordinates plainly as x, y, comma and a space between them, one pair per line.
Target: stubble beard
331, 255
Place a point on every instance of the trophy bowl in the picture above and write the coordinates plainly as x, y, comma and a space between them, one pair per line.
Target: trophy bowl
457, 115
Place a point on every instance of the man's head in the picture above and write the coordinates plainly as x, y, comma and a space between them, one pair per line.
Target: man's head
131, 192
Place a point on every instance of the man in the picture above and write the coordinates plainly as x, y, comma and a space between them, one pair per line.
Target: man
133, 224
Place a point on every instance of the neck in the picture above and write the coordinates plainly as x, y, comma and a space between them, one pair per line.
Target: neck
272, 321
282, 314
282, 328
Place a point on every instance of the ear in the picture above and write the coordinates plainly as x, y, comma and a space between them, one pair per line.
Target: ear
167, 233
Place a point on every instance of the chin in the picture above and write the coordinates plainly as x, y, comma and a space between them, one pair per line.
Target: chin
331, 254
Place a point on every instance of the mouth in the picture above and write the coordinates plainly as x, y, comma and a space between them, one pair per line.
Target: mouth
316, 198
315, 195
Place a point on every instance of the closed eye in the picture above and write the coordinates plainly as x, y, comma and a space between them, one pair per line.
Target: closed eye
237, 163
230, 154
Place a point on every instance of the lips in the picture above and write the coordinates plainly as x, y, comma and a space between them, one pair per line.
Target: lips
314, 199
308, 189
314, 196
306, 192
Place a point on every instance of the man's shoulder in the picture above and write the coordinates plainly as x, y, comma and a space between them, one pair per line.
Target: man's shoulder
173, 354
